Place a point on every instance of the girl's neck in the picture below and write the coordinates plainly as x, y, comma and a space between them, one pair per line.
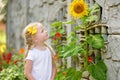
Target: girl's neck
40, 46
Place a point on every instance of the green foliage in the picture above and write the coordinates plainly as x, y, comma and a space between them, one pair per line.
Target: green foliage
60, 75
92, 18
56, 24
59, 23
13, 72
57, 27
69, 22
95, 8
69, 74
98, 71
71, 50
96, 41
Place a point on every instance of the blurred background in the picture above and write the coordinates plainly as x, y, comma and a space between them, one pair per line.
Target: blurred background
3, 10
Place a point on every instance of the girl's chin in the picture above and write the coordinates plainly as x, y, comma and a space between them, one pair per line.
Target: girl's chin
47, 36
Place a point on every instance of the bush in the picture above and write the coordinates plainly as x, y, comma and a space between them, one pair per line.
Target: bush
12, 73
12, 65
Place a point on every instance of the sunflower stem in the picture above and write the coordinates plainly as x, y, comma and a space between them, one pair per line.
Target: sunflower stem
86, 48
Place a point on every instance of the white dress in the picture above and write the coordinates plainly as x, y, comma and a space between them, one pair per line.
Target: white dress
42, 63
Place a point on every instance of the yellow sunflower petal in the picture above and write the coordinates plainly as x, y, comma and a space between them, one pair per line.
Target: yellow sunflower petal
78, 9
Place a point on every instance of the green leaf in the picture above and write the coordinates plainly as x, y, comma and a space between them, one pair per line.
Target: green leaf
78, 50
68, 53
77, 75
78, 27
83, 19
61, 30
98, 57
69, 22
72, 50
92, 18
73, 74
95, 8
59, 75
73, 34
56, 24
69, 38
52, 33
98, 71
96, 41
67, 50
102, 66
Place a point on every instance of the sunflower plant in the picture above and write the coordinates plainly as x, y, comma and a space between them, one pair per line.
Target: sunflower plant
78, 48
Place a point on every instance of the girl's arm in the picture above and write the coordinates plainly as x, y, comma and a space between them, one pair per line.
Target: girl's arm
54, 70
28, 69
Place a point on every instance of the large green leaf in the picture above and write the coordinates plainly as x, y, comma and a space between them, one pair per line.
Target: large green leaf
98, 71
71, 50
68, 50
96, 41
73, 74
102, 65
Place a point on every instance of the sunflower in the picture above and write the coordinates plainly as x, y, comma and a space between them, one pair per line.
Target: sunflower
78, 9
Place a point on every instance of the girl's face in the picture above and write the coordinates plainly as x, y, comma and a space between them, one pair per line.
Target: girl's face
41, 34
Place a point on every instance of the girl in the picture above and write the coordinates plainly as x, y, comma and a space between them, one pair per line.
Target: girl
39, 64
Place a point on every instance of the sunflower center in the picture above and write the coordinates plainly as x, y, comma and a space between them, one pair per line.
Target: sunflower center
78, 8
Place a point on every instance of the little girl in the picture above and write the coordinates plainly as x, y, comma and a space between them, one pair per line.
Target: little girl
39, 64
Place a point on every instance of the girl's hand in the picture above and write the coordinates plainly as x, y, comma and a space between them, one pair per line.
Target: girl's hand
52, 78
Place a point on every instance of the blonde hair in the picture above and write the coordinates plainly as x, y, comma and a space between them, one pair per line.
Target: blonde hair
28, 37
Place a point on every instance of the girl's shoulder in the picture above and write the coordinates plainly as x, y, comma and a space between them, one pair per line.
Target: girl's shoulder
31, 55
32, 50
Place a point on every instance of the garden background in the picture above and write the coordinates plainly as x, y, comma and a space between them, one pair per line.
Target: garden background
16, 14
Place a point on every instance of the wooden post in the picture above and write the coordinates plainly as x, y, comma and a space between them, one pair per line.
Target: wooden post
68, 33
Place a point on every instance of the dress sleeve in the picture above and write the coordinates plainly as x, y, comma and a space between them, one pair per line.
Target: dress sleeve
30, 56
